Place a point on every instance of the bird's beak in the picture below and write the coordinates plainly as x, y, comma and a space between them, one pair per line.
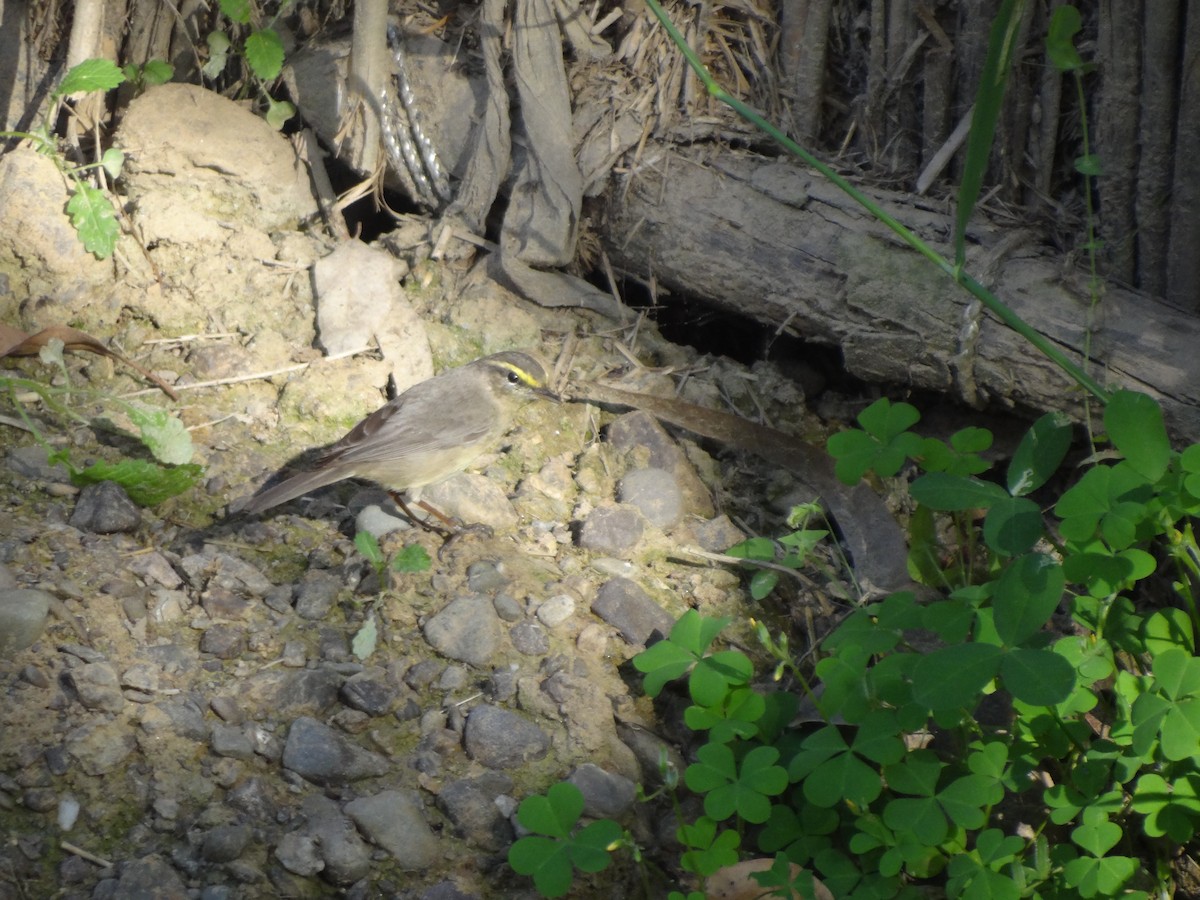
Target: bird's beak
548, 394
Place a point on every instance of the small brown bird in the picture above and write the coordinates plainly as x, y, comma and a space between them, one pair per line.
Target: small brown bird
431, 431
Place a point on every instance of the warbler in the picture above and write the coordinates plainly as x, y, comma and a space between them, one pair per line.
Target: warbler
431, 431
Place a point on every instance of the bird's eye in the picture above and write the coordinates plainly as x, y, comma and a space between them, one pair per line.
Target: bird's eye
514, 378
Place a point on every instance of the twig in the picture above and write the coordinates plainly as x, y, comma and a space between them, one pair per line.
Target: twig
84, 854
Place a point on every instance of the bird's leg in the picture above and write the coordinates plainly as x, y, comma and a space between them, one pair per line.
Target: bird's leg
446, 530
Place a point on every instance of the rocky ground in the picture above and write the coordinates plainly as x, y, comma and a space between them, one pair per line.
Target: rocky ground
187, 712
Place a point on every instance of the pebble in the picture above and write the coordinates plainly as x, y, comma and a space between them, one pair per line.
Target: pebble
556, 610
470, 805
225, 843
377, 522
508, 608
231, 741
32, 461
24, 613
97, 687
368, 694
486, 576
346, 856
623, 604
640, 429
467, 630
151, 876
154, 567
529, 639
105, 508
99, 747
717, 535
500, 739
655, 494
611, 530
605, 794
394, 821
323, 756
223, 641
472, 499
316, 594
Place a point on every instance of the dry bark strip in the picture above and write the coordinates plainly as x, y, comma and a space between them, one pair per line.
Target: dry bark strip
772, 241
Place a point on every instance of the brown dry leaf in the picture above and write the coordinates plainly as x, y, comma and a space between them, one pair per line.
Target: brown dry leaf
14, 342
735, 882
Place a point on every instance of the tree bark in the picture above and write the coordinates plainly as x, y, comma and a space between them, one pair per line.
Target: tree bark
774, 242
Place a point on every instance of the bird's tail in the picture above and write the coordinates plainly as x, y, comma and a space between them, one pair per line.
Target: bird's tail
291, 488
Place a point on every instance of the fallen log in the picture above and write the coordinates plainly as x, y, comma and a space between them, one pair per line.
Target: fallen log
773, 241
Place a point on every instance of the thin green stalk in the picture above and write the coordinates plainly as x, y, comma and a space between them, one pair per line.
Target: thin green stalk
986, 297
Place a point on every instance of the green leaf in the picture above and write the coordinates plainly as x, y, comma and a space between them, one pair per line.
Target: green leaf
886, 420
365, 639
146, 483
1099, 877
113, 161
757, 548
163, 433
1013, 525
1177, 674
264, 54
1135, 425
1037, 677
156, 71
1089, 165
218, 53
547, 861
1040, 453
1026, 596
989, 98
1065, 23
955, 676
90, 75
236, 10
1097, 835
368, 545
920, 817
762, 583
1168, 628
592, 846
94, 219
954, 493
278, 113
553, 814
412, 559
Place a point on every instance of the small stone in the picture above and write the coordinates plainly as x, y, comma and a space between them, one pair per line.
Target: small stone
318, 753
153, 567
556, 610
605, 794
486, 576
97, 686
507, 608
467, 630
592, 640
317, 594
23, 616
225, 843
223, 641
472, 499
231, 741
394, 821
717, 535
624, 605
368, 695
379, 523
470, 805
529, 639
655, 494
105, 508
501, 739
611, 530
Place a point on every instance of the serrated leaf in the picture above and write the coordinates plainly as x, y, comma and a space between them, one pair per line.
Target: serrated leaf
365, 639
94, 220
146, 483
413, 558
236, 10
90, 75
163, 433
368, 545
264, 54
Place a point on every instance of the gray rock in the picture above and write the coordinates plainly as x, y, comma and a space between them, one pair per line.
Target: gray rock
32, 461
99, 747
472, 499
97, 686
346, 856
225, 843
718, 534
23, 616
624, 605
231, 741
105, 508
150, 878
377, 522
298, 852
223, 641
500, 739
529, 639
372, 696
556, 610
282, 692
640, 429
508, 608
486, 576
322, 755
394, 821
470, 805
612, 530
317, 594
154, 568
467, 630
655, 494
605, 794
